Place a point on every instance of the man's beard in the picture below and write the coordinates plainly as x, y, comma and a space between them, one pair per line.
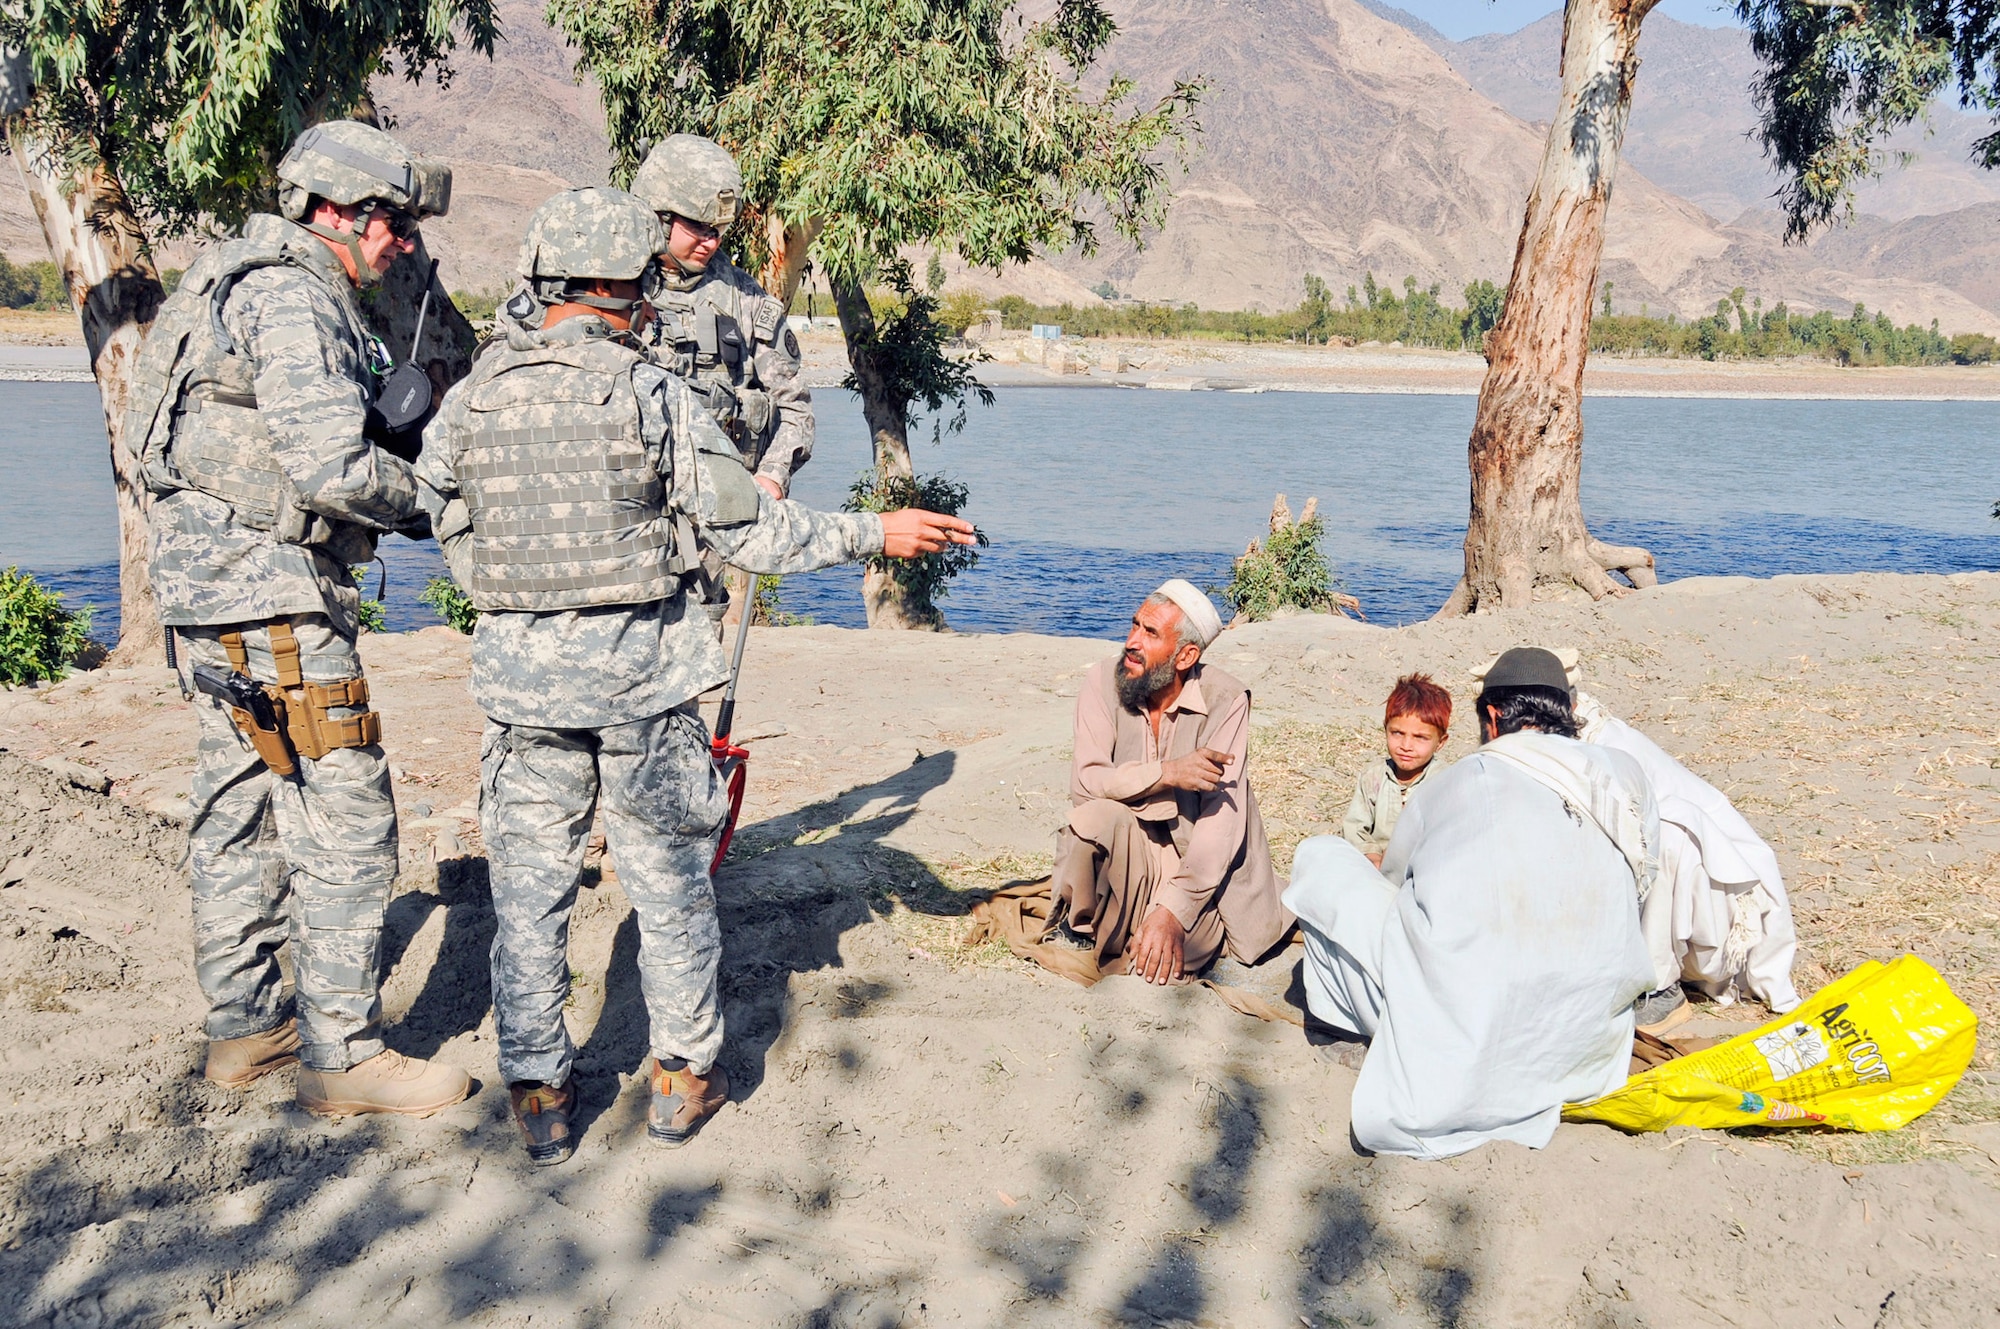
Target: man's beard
1134, 693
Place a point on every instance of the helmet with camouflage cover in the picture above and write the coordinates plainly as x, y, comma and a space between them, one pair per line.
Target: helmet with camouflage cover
693, 177
346, 162
587, 233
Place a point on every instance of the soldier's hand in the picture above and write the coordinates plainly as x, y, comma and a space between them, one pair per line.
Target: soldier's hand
1198, 772
912, 532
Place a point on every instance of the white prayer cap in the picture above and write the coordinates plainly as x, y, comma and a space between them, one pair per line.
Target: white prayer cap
1203, 624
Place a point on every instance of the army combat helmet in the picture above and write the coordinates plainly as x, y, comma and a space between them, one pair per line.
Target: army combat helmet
347, 162
581, 234
688, 176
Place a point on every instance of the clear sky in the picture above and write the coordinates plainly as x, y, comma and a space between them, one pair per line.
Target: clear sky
1459, 19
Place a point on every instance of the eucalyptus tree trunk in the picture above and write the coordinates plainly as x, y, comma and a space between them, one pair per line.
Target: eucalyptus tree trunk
1526, 539
95, 237
889, 604
789, 246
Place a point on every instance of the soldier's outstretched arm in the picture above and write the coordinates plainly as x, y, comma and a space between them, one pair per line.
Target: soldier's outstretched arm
755, 532
309, 394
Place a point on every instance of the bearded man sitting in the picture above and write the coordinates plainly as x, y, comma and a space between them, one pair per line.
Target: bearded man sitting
1163, 864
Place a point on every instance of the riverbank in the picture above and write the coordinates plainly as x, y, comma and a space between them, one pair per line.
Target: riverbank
925, 1133
1224, 366
38, 347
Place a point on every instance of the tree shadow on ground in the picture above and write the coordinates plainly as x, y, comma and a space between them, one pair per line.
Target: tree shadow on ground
458, 986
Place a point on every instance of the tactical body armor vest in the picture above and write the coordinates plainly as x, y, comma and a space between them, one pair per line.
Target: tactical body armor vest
708, 335
193, 417
567, 509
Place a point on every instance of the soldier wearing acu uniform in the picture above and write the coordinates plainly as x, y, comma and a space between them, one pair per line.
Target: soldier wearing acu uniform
716, 326
574, 483
251, 413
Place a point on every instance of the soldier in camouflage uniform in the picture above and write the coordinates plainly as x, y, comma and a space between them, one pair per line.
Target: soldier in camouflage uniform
250, 412
716, 326
720, 330
574, 483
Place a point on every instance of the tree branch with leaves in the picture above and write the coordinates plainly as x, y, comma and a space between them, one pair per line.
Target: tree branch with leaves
866, 129
163, 118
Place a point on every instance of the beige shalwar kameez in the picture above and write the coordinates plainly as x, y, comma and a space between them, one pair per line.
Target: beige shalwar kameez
1130, 844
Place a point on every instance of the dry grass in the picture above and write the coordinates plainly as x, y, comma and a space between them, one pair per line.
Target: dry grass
1304, 775
933, 921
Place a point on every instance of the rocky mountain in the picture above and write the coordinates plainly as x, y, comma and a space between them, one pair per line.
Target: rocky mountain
1336, 141
1341, 141
1693, 121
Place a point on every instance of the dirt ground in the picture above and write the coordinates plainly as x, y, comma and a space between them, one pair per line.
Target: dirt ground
927, 1133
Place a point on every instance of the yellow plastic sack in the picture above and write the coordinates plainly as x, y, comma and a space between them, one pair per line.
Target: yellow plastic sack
1870, 1052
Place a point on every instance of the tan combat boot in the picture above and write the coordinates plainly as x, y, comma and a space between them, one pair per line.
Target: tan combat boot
234, 1062
386, 1082
682, 1101
543, 1112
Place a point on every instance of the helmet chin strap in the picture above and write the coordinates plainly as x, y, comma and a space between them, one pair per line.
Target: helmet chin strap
350, 240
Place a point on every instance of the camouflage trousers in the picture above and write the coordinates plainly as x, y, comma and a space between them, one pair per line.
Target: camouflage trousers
308, 858
663, 809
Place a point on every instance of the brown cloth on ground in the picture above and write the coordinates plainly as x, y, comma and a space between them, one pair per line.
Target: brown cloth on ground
1018, 915
1649, 1050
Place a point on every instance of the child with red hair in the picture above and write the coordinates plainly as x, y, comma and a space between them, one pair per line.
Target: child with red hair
1415, 723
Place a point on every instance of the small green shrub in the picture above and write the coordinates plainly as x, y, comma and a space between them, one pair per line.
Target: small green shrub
770, 612
1287, 570
450, 604
38, 636
374, 618
927, 578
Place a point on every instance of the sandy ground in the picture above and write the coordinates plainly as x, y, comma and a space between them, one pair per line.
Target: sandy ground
925, 1133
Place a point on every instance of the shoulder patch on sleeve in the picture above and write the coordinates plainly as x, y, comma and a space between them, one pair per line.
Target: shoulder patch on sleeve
791, 344
770, 316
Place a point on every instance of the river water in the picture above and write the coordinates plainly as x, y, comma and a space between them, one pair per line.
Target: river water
1092, 495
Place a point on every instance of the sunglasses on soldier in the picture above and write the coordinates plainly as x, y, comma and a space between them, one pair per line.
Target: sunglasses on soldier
402, 225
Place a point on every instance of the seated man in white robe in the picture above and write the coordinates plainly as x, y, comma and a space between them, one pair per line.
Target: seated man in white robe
1493, 962
1721, 919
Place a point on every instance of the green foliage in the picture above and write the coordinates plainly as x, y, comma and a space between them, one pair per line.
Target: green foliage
959, 310
1839, 76
926, 578
478, 306
170, 279
1288, 569
1736, 331
372, 615
905, 346
1974, 348
770, 610
38, 636
188, 104
450, 604
882, 126
37, 285
1105, 290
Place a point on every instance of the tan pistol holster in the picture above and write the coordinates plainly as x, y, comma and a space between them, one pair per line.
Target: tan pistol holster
305, 728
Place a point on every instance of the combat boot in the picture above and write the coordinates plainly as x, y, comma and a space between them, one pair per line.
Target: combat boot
543, 1112
234, 1062
682, 1101
386, 1082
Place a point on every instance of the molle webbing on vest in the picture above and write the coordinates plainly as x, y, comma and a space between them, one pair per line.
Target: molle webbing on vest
567, 510
193, 416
